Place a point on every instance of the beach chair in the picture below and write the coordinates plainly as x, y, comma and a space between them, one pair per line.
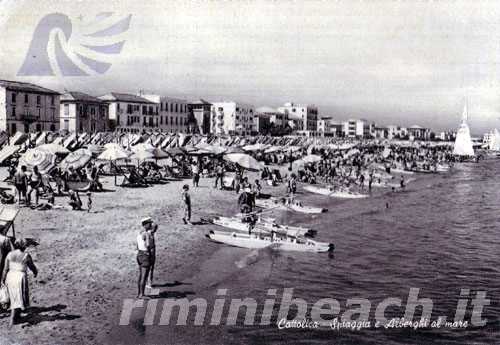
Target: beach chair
7, 217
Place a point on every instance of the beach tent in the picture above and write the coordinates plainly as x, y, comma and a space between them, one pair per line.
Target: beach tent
8, 151
76, 159
44, 160
245, 161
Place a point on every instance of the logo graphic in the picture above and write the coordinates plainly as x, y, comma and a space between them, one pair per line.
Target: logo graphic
86, 48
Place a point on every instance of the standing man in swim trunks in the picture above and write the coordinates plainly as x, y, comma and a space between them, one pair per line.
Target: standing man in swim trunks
21, 183
152, 244
143, 255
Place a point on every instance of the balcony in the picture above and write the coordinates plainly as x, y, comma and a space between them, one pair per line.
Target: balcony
29, 117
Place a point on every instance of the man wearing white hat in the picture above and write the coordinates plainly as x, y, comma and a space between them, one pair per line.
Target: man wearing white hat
144, 255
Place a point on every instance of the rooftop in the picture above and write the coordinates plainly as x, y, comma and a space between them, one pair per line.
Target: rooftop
75, 96
125, 97
27, 87
265, 109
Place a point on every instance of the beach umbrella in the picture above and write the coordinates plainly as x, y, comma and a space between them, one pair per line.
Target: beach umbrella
243, 160
113, 146
306, 160
386, 153
44, 160
255, 147
273, 149
113, 154
76, 159
143, 147
95, 149
175, 151
234, 150
211, 149
54, 149
142, 155
311, 158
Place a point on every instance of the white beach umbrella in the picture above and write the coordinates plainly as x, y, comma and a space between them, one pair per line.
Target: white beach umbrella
245, 161
54, 149
113, 154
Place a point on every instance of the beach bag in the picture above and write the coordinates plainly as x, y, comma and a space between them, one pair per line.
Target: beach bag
4, 295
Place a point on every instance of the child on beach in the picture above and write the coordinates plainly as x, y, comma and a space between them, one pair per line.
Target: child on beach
89, 201
186, 200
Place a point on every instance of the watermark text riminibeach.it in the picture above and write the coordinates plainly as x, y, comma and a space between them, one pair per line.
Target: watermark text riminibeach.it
286, 311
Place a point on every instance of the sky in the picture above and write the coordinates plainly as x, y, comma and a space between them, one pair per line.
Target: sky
392, 62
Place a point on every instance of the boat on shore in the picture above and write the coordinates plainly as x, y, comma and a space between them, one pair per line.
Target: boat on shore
258, 241
245, 224
335, 194
286, 205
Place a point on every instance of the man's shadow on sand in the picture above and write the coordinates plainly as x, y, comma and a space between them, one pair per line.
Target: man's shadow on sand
174, 284
37, 315
172, 294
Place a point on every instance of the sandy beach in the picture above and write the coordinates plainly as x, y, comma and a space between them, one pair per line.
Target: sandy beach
87, 260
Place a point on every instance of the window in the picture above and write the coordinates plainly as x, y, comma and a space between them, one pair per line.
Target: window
176, 123
52, 127
171, 107
39, 112
161, 120
38, 127
166, 106
144, 110
14, 128
38, 100
51, 100
53, 111
161, 106
150, 110
221, 109
26, 98
13, 111
144, 120
176, 109
129, 109
14, 97
171, 120
66, 109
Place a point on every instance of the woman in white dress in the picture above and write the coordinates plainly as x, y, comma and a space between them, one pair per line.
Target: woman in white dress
15, 277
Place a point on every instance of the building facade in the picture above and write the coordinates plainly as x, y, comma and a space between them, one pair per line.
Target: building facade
277, 118
356, 128
305, 115
232, 118
416, 132
199, 116
131, 113
397, 132
173, 113
27, 107
83, 113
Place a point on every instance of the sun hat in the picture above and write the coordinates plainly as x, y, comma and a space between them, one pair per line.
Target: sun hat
146, 220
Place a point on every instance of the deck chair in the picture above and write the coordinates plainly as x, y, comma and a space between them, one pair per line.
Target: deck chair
7, 217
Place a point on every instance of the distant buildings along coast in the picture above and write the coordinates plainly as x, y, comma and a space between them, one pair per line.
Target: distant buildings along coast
26, 107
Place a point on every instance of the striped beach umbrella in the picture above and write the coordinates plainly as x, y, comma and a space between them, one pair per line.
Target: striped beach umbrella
44, 160
76, 159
